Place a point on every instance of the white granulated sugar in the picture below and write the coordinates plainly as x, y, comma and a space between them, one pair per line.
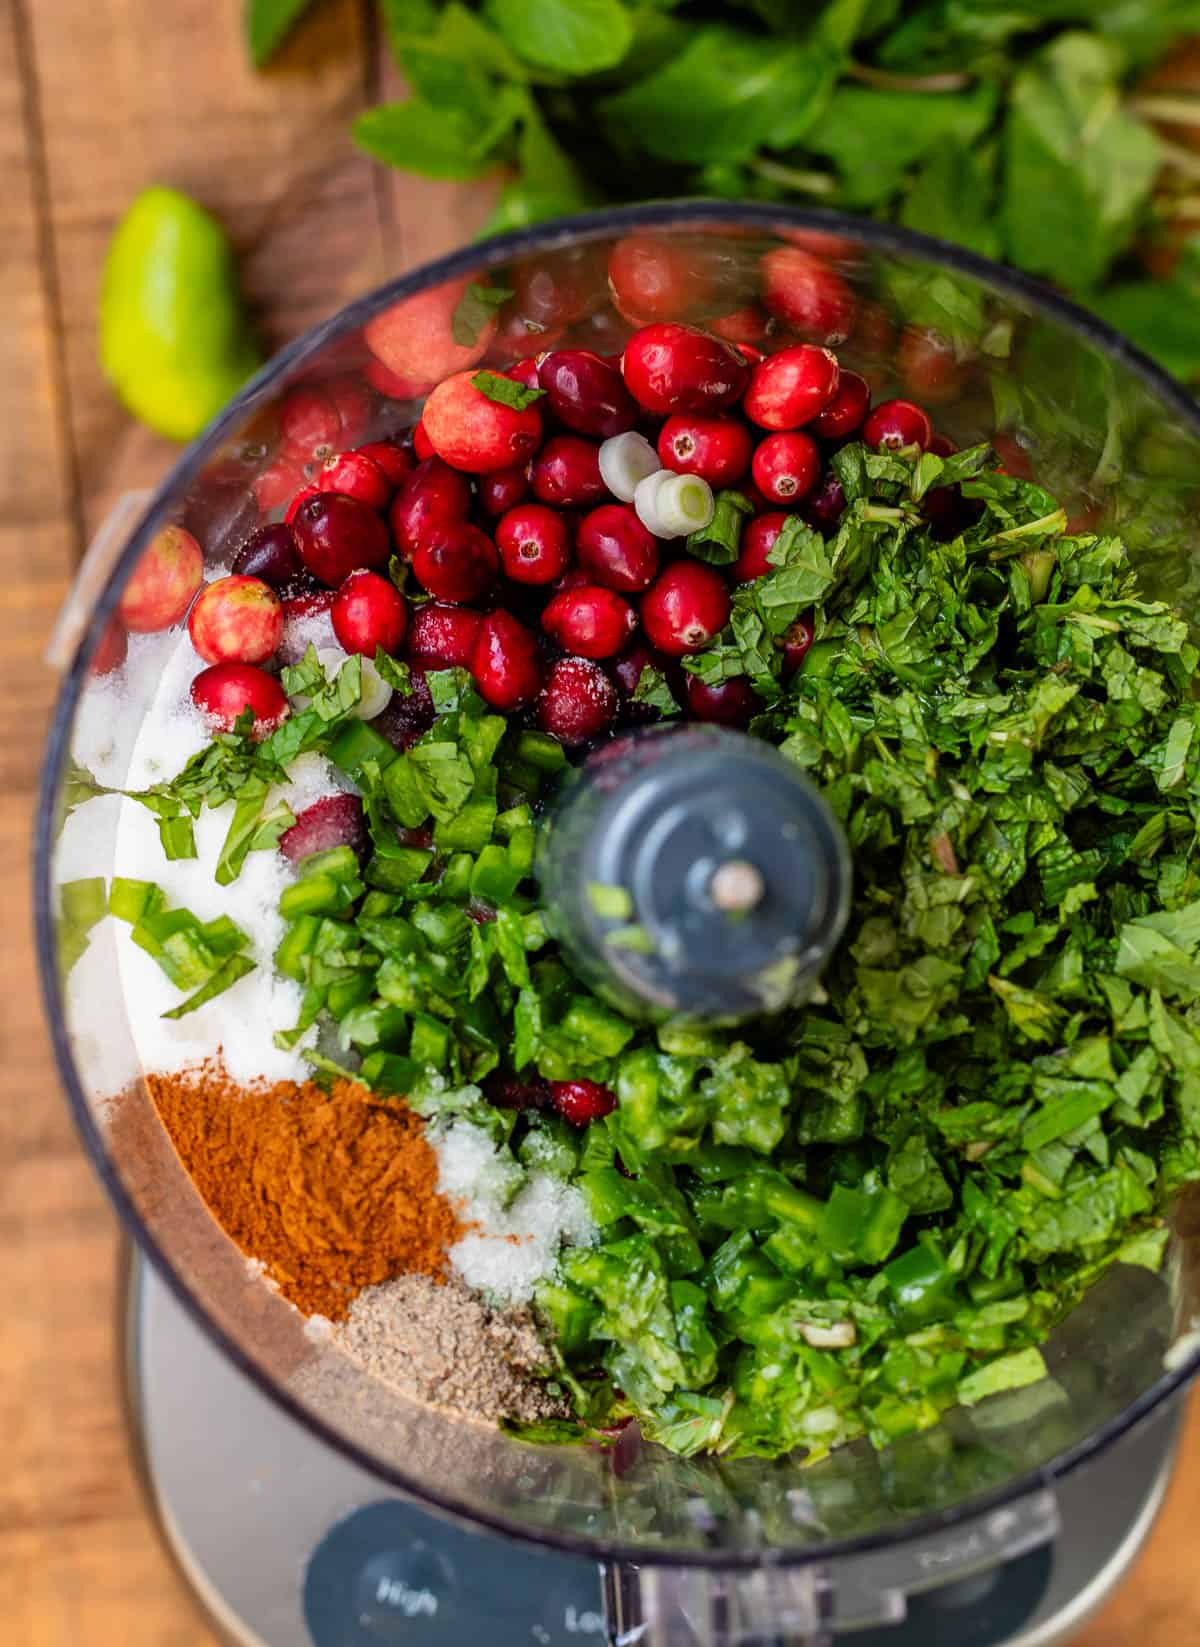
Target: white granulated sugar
310, 778
312, 629
517, 1238
114, 711
94, 1007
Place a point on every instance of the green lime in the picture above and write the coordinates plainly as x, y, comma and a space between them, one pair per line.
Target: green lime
174, 338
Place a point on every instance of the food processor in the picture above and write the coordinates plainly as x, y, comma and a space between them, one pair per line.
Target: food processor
309, 1503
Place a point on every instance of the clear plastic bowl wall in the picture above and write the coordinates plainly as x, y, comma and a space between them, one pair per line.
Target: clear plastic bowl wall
1118, 441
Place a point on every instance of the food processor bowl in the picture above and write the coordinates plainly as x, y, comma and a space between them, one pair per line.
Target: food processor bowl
744, 1547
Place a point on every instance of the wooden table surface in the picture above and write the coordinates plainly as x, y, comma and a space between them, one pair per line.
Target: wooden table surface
97, 99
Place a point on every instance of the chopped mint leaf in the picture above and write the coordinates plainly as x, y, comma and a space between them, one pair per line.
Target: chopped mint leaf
476, 307
506, 391
653, 691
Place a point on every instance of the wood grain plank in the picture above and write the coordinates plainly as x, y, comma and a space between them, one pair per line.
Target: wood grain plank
75, 1559
137, 92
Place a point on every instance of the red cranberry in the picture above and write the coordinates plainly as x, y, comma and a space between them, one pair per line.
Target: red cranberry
505, 662
796, 641
824, 243
111, 648
586, 393
422, 445
792, 387
433, 495
337, 535
278, 483
301, 604
804, 293
415, 337
673, 368
948, 512
786, 466
929, 367
300, 499
825, 504
512, 1092
354, 405
369, 612
525, 372
873, 331
1014, 459
358, 476
393, 385
897, 424
846, 410
406, 717
626, 671
309, 422
715, 448
581, 1101
236, 620
685, 607
471, 432
534, 543
164, 582
396, 463
556, 289
578, 701
590, 621
334, 820
616, 550
227, 690
942, 446
566, 472
758, 539
270, 554
504, 489
731, 703
654, 277
456, 562
744, 326
442, 637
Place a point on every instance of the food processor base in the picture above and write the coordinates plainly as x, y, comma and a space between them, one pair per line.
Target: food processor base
287, 1544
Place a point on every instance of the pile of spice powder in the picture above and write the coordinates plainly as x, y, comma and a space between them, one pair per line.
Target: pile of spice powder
331, 1191
447, 1347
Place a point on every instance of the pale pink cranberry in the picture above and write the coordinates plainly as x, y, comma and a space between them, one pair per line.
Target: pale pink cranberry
236, 620
471, 432
164, 582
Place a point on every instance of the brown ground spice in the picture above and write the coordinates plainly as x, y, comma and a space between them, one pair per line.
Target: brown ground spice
445, 1346
332, 1191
